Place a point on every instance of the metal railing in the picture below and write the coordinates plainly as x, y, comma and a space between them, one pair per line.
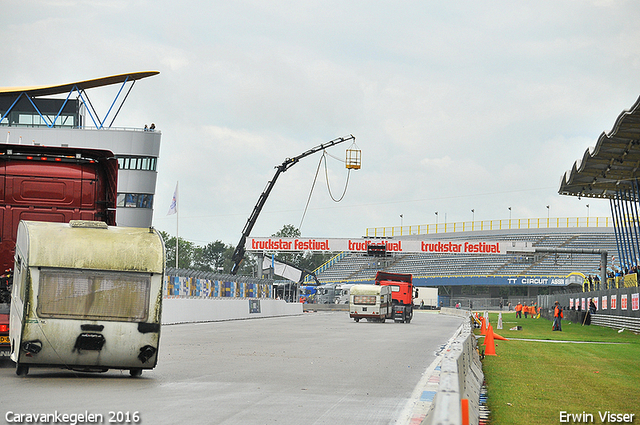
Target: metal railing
471, 226
18, 126
333, 260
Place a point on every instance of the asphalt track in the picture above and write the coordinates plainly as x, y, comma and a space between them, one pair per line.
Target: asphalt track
318, 368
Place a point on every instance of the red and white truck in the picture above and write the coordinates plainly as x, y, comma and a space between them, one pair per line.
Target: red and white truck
401, 293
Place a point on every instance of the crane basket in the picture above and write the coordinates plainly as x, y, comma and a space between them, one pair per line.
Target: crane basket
353, 160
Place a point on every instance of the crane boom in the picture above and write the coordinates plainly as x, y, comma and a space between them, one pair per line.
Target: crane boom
238, 254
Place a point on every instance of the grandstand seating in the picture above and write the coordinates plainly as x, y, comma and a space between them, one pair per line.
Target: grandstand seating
356, 266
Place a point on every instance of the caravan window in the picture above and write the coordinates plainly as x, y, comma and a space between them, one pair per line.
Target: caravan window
94, 295
364, 299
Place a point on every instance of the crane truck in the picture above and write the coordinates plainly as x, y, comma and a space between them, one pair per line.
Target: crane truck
238, 253
401, 294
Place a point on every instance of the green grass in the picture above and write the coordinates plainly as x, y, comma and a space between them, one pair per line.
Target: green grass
531, 382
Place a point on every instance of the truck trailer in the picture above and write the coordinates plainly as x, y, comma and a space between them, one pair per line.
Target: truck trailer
425, 298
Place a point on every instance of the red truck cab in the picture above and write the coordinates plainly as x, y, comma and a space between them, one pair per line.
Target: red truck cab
401, 294
55, 184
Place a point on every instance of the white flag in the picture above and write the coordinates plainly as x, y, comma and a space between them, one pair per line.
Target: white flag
173, 209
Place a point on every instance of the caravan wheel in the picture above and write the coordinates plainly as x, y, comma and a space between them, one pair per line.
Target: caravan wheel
22, 370
135, 372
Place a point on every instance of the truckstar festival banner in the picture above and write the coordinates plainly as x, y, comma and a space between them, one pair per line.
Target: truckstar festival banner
362, 245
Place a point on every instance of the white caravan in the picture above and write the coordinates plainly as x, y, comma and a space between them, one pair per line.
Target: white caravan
371, 302
86, 297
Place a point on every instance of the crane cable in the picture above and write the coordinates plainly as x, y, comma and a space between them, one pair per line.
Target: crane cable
323, 158
346, 184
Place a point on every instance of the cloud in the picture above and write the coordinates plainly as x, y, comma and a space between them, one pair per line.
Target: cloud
456, 106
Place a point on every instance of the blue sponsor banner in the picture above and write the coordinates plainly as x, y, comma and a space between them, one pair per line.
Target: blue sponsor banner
179, 286
227, 290
493, 281
573, 278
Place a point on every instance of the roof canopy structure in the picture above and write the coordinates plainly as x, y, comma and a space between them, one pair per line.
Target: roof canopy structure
612, 167
36, 91
80, 87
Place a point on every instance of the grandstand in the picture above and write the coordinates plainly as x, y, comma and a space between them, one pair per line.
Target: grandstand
358, 266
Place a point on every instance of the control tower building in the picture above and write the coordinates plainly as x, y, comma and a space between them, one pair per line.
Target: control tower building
63, 115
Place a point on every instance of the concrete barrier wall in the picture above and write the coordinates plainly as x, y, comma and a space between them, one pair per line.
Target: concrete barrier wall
191, 310
461, 377
461, 312
326, 307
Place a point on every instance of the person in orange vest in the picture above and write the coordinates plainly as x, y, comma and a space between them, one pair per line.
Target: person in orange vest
557, 317
518, 310
525, 309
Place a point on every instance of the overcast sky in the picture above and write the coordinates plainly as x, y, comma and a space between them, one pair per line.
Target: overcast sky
456, 105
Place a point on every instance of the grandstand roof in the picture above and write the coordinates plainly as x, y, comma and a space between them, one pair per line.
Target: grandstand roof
612, 165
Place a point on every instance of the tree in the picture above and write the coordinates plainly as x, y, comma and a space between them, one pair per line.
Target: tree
217, 256
247, 267
185, 251
288, 231
295, 257
209, 258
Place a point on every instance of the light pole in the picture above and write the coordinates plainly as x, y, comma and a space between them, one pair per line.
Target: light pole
401, 223
509, 217
473, 219
547, 215
436, 221
587, 215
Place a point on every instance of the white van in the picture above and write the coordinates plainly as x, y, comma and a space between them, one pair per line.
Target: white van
371, 302
86, 297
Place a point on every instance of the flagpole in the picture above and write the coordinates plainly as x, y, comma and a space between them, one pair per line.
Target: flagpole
173, 209
177, 221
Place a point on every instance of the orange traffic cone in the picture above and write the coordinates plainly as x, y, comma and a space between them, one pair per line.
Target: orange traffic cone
483, 331
496, 336
488, 341
486, 335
